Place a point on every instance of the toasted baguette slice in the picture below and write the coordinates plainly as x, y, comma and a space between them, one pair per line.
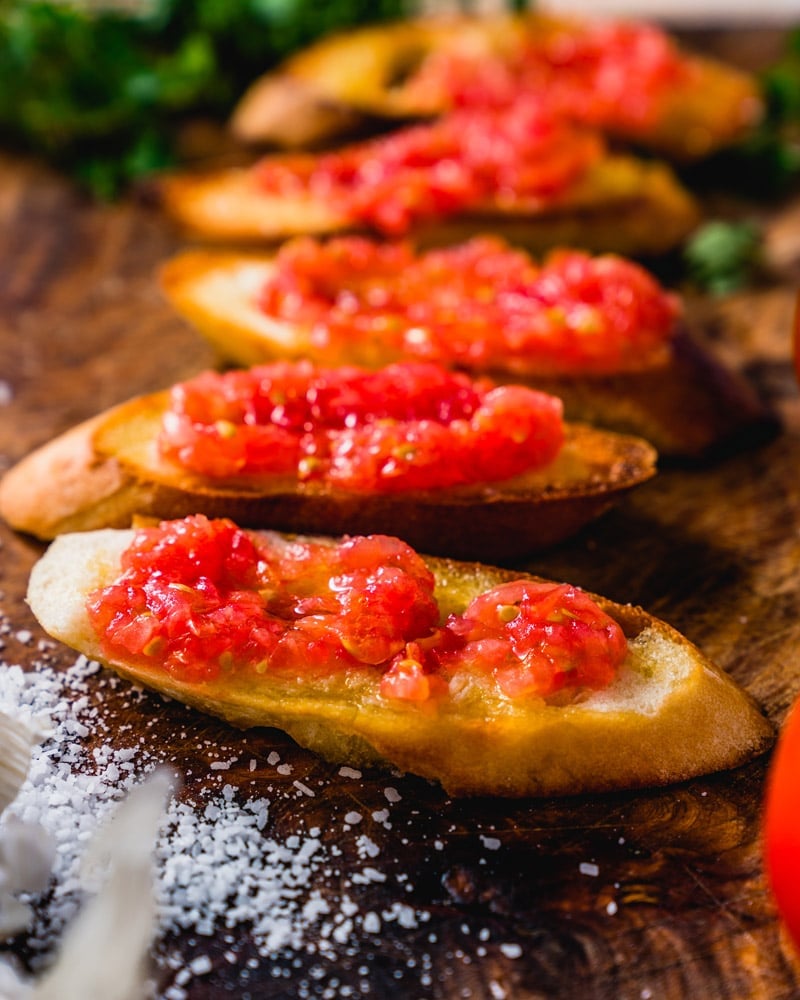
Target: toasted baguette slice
621, 204
366, 77
669, 715
103, 472
686, 407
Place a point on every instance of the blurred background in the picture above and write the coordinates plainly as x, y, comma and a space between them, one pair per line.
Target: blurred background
103, 89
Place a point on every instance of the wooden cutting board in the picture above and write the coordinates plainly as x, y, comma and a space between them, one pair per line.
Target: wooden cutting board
658, 894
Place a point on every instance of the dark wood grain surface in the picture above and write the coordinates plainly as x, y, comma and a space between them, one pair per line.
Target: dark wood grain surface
677, 904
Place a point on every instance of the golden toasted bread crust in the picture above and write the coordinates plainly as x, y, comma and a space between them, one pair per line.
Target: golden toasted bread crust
66, 486
624, 205
107, 471
669, 716
688, 407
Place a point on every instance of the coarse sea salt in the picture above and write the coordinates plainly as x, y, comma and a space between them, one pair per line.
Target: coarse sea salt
218, 869
490, 843
215, 865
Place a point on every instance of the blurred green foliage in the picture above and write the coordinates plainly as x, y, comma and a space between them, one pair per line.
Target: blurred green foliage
767, 164
100, 91
722, 256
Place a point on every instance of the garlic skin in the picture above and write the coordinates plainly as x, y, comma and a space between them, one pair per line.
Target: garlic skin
17, 739
104, 952
27, 853
27, 856
12, 987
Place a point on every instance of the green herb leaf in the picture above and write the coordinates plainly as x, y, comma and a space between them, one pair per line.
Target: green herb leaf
100, 91
721, 256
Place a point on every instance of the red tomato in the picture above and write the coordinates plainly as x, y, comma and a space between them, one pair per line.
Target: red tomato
199, 597
612, 75
409, 426
481, 306
538, 638
521, 153
782, 824
202, 599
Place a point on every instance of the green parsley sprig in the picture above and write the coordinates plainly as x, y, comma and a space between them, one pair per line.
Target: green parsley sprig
722, 257
101, 91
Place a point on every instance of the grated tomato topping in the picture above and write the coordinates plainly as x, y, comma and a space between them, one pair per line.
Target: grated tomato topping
470, 158
608, 75
409, 426
481, 305
202, 599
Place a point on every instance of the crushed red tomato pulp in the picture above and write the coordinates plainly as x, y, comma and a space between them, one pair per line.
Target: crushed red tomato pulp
202, 599
410, 426
522, 157
613, 75
482, 305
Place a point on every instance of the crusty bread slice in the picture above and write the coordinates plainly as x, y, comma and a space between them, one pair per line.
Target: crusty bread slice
621, 204
105, 471
686, 407
668, 716
365, 77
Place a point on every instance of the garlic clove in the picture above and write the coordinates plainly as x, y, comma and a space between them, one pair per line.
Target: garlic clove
116, 927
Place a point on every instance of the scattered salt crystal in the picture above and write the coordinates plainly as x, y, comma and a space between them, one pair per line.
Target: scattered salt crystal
343, 931
75, 728
284, 768
253, 764
611, 908
490, 843
405, 915
366, 847
220, 765
511, 950
498, 992
349, 772
273, 758
24, 636
352, 818
315, 907
201, 965
368, 875
392, 795
304, 789
588, 868
111, 773
371, 923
